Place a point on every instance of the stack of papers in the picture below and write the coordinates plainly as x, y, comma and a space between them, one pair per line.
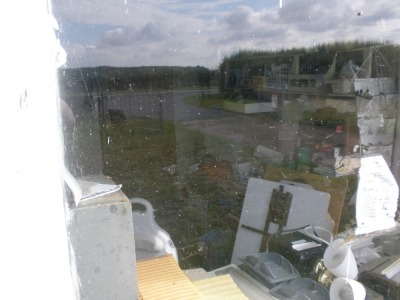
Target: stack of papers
376, 196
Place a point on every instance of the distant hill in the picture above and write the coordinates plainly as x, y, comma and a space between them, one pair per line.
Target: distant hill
112, 79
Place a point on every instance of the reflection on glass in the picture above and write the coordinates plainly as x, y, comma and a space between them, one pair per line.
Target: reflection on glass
183, 101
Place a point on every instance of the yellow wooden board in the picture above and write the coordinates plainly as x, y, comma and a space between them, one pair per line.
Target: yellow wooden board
219, 287
162, 279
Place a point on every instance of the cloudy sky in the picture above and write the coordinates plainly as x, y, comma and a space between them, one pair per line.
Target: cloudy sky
194, 32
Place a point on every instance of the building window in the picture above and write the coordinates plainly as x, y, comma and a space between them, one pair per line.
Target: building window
244, 124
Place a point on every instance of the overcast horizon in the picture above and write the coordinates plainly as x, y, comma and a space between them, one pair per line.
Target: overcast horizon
128, 33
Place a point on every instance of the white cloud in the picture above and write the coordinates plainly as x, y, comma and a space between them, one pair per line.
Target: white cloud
194, 32
240, 19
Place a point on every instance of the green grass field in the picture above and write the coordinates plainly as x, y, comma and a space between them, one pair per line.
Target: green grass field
180, 171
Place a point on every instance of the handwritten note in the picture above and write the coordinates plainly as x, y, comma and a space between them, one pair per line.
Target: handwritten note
377, 196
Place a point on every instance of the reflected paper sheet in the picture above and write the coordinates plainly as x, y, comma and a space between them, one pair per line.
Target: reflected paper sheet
376, 196
94, 189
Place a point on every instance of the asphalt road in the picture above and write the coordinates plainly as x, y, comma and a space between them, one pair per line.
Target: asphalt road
183, 112
168, 105
252, 130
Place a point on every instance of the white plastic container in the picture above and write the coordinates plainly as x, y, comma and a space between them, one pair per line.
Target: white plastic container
270, 266
150, 239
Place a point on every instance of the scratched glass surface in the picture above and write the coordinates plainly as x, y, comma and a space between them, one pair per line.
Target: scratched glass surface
197, 106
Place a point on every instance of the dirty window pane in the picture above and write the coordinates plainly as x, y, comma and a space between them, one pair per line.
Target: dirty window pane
244, 125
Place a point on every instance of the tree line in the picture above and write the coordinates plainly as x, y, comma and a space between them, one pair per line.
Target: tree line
113, 79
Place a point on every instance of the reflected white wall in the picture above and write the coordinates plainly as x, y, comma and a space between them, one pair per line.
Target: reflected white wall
34, 253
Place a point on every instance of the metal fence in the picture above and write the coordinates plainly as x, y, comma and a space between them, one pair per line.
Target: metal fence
157, 106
